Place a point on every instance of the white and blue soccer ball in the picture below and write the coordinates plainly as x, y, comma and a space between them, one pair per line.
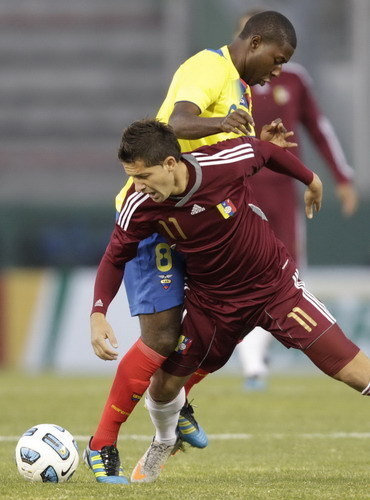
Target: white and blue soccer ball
47, 453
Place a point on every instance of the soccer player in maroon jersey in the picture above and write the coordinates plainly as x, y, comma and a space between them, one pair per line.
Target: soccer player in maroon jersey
290, 98
239, 275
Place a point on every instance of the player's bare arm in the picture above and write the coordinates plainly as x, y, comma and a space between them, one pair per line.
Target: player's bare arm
187, 124
101, 332
276, 133
313, 196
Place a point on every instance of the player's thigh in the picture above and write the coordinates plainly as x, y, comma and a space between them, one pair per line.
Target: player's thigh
154, 283
333, 351
208, 338
197, 335
296, 317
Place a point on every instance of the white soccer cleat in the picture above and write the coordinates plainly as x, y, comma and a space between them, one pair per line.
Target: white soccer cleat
152, 462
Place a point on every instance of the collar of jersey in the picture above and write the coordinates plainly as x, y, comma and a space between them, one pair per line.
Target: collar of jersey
198, 179
226, 54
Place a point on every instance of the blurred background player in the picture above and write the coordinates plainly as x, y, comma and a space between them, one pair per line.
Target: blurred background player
290, 98
206, 103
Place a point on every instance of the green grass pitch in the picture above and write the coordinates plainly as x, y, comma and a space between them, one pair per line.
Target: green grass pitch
306, 437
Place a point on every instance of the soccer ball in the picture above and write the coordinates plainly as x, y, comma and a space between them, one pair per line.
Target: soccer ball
47, 453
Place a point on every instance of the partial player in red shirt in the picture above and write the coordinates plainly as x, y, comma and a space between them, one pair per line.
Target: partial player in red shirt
239, 274
290, 98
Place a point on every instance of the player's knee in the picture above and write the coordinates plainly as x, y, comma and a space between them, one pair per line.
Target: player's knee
163, 343
164, 386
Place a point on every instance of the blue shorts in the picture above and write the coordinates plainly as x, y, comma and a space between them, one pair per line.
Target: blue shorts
154, 279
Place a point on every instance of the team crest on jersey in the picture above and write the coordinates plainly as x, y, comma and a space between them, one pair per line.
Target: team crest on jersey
183, 345
226, 208
165, 280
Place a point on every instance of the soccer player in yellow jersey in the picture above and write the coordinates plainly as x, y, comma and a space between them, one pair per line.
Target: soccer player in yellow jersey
207, 89
208, 101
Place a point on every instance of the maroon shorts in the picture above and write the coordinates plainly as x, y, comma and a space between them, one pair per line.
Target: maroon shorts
212, 329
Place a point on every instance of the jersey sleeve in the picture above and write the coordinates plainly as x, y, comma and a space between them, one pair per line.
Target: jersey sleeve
322, 133
201, 79
121, 249
107, 283
281, 161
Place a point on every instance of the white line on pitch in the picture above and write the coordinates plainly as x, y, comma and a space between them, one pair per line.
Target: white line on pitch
226, 437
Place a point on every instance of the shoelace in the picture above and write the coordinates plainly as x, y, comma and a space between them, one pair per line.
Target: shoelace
110, 458
187, 412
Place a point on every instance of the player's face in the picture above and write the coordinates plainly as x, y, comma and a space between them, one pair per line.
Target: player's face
156, 181
266, 62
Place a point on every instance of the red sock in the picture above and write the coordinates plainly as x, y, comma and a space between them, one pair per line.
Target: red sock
197, 377
131, 381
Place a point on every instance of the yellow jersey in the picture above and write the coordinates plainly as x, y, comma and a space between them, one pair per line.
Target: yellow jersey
209, 80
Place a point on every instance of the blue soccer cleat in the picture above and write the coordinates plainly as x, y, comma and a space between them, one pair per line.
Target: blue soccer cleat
189, 430
105, 464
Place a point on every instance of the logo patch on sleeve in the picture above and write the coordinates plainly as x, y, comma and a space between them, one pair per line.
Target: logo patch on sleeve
226, 208
183, 345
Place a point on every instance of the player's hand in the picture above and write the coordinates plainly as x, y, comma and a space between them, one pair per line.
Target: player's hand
238, 121
313, 196
102, 337
277, 134
348, 196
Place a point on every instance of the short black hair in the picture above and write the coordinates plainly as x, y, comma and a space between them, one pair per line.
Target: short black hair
150, 141
272, 27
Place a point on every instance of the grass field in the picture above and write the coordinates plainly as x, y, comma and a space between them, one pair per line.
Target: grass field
306, 437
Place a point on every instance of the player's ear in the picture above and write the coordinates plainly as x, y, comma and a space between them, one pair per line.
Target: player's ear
170, 163
255, 41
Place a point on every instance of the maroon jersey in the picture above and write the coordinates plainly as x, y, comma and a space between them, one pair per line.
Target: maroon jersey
216, 224
289, 97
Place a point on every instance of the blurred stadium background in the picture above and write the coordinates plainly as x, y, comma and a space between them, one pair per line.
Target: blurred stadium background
73, 74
